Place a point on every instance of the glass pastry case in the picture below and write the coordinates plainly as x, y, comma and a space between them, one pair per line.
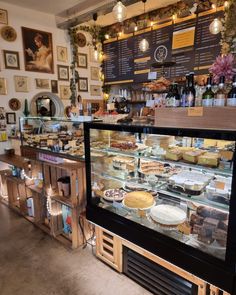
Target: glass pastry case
170, 191
59, 135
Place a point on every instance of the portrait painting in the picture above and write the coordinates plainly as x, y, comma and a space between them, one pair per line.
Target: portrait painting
65, 92
62, 54
3, 17
21, 84
63, 73
54, 86
83, 84
3, 86
11, 59
82, 60
38, 50
95, 90
42, 83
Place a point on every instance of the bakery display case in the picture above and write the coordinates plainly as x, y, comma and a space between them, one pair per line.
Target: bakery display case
61, 136
170, 191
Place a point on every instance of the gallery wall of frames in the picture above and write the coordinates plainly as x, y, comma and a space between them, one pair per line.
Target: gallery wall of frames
35, 57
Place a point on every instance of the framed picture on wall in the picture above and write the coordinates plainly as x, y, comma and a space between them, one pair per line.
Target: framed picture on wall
83, 84
63, 73
65, 92
3, 17
11, 59
3, 86
62, 54
94, 71
11, 118
95, 90
82, 60
42, 83
54, 86
21, 84
38, 50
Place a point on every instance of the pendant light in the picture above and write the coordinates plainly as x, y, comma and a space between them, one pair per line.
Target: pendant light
143, 45
216, 25
95, 52
119, 11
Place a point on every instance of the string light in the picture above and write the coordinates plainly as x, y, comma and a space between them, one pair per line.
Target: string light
213, 6
107, 36
136, 28
215, 26
151, 24
96, 53
26, 176
174, 16
54, 212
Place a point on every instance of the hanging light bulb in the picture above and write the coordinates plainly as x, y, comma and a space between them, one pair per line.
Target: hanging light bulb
106, 36
96, 53
226, 4
136, 28
215, 26
143, 45
119, 11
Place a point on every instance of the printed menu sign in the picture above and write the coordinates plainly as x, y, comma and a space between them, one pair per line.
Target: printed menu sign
188, 42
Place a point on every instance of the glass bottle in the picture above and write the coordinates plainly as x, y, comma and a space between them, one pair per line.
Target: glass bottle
183, 101
231, 101
168, 98
176, 96
208, 95
191, 93
220, 95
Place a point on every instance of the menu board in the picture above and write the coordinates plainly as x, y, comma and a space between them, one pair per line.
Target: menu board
188, 42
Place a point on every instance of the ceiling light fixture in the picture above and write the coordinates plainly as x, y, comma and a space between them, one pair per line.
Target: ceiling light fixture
216, 25
143, 45
119, 11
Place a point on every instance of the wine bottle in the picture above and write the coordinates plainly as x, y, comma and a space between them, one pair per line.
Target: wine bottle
176, 96
231, 101
183, 101
168, 98
220, 95
191, 93
208, 95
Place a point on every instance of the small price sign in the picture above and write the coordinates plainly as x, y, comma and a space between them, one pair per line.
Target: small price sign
195, 112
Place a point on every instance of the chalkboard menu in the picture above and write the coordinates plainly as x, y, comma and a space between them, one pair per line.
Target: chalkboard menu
188, 42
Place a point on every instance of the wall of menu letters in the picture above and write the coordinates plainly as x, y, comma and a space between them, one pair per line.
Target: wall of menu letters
187, 41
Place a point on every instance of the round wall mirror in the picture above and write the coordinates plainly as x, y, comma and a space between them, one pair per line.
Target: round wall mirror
46, 104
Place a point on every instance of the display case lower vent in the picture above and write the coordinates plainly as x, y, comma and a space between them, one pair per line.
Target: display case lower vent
154, 277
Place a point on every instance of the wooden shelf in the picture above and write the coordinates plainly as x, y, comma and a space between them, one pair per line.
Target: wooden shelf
35, 188
15, 160
216, 118
63, 200
15, 179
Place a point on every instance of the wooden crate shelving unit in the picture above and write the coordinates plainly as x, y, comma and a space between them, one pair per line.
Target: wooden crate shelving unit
109, 249
18, 191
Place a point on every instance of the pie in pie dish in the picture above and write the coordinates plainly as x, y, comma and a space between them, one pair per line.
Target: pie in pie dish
139, 200
168, 215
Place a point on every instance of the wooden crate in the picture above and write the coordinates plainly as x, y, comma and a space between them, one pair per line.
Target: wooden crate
109, 248
180, 118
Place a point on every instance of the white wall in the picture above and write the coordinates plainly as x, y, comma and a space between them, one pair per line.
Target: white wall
18, 17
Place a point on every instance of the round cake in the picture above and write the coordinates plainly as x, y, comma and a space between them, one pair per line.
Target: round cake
168, 215
138, 200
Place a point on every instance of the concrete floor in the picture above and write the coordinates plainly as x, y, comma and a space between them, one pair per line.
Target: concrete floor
32, 263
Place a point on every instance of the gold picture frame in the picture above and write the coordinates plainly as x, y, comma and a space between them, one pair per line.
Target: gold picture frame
62, 54
95, 72
21, 84
65, 92
95, 90
3, 86
42, 83
3, 16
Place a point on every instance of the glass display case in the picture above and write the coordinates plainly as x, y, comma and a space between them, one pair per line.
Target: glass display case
170, 191
59, 135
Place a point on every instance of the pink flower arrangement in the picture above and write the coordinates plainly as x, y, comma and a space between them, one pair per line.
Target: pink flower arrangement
223, 66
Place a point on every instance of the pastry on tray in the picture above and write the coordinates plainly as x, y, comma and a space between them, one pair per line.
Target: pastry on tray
123, 163
139, 200
192, 156
124, 145
209, 159
174, 154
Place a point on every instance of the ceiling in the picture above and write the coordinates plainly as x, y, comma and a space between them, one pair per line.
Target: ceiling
73, 12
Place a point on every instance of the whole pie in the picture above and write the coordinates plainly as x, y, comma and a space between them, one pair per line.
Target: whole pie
138, 200
168, 214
